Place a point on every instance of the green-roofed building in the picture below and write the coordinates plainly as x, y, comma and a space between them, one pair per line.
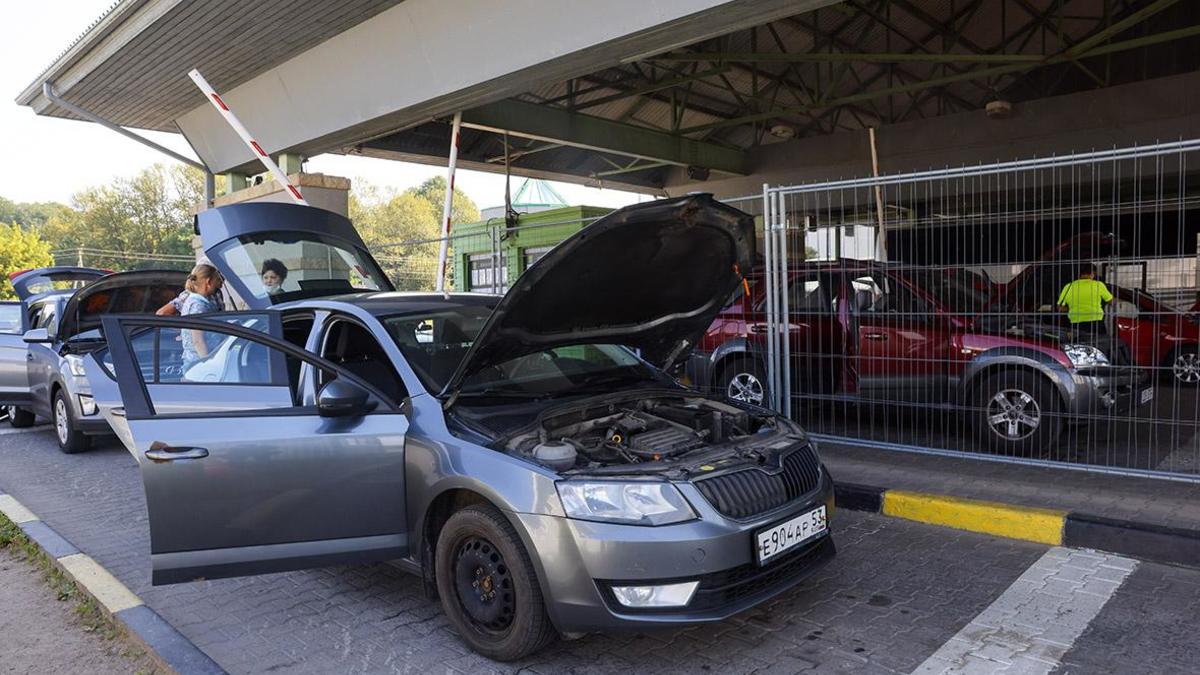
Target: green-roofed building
544, 219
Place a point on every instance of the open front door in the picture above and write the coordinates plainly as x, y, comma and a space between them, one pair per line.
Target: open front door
243, 473
14, 381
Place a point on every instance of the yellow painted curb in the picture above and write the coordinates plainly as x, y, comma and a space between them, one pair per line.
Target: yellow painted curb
1044, 526
111, 593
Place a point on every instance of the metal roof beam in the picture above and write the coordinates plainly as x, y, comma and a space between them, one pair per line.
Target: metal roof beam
553, 125
959, 77
837, 57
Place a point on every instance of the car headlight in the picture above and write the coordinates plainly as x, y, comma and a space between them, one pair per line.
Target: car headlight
649, 503
1085, 356
75, 364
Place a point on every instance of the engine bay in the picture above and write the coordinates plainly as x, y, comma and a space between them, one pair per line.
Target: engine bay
650, 433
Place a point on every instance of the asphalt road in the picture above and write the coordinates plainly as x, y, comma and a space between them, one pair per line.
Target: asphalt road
899, 597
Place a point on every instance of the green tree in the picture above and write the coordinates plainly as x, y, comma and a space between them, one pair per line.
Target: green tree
403, 229
20, 249
462, 209
131, 220
28, 214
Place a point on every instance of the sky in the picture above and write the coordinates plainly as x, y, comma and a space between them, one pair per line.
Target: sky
49, 159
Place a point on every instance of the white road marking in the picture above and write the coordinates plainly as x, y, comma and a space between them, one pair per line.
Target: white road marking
102, 585
1035, 621
15, 510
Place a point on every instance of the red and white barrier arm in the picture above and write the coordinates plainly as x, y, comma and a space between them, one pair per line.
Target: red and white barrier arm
223, 109
455, 130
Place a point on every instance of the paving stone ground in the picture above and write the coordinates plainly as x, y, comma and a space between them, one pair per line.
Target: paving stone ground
896, 593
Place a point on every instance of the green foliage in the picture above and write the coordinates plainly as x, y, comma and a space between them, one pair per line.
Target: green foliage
20, 249
147, 214
28, 214
412, 218
462, 209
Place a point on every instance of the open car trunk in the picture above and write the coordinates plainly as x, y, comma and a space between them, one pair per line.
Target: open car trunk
315, 252
138, 292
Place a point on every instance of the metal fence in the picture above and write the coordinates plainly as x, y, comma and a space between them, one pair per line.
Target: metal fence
921, 311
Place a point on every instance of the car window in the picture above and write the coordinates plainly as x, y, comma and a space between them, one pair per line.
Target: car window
879, 295
189, 371
47, 318
164, 357
435, 343
955, 291
809, 295
353, 347
298, 265
10, 318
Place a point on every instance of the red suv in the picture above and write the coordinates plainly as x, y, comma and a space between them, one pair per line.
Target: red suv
862, 330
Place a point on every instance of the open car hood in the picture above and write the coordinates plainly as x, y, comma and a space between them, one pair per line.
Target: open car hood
323, 253
47, 279
138, 292
650, 276
1086, 246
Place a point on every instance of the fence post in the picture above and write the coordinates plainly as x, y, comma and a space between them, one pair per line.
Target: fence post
769, 279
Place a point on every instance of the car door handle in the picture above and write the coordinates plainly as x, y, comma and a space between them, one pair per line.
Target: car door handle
758, 329
161, 452
875, 336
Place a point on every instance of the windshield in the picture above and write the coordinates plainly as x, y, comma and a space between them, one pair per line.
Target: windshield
286, 266
953, 291
434, 344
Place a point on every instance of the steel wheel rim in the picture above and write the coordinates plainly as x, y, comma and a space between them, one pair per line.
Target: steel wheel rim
60, 420
484, 586
1014, 415
745, 387
1187, 368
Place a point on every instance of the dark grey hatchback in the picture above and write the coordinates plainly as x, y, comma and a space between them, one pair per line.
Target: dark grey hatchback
527, 456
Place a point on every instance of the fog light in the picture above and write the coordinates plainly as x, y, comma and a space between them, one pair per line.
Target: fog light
670, 595
87, 404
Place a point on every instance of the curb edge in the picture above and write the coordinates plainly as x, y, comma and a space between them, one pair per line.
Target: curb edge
162, 641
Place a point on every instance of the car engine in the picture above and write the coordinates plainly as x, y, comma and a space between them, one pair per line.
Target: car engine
644, 431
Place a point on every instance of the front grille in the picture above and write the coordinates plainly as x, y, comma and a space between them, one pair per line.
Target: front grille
738, 585
747, 493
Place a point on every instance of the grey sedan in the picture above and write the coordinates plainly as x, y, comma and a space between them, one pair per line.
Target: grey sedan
526, 456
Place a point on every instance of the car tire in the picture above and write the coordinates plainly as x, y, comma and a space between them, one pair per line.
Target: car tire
743, 380
70, 439
488, 587
1184, 366
20, 418
1018, 414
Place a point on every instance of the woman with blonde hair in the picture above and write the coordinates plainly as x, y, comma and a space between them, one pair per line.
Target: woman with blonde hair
202, 286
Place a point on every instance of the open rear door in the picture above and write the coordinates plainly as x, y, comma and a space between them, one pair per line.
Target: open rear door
243, 474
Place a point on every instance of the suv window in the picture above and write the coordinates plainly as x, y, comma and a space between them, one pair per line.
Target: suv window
878, 294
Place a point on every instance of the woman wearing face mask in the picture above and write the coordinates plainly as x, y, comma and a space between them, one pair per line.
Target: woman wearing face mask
202, 286
273, 273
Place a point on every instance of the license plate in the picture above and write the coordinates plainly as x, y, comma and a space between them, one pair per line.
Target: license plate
777, 539
1147, 394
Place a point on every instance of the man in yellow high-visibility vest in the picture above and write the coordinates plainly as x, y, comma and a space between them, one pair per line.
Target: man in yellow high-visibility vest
1083, 299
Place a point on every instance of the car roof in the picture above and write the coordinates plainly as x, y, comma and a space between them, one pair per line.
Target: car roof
398, 302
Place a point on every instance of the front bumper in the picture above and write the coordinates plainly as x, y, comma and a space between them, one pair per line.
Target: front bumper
1107, 390
580, 561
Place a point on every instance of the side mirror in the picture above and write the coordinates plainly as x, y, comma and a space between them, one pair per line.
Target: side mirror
343, 398
37, 336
